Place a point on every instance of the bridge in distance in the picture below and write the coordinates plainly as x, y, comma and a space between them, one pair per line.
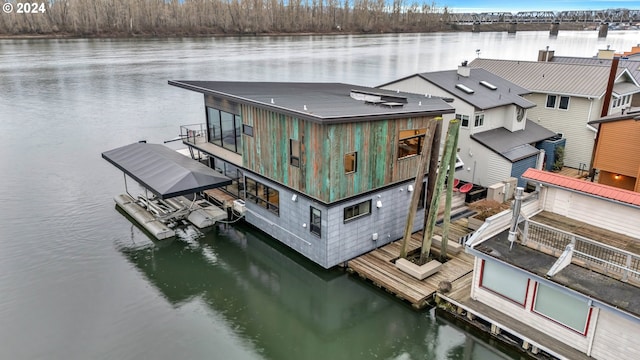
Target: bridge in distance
587, 16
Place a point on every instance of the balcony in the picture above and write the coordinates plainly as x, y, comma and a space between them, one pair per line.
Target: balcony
195, 136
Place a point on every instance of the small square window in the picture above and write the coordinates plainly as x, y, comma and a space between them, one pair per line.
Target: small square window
479, 120
464, 120
315, 221
294, 152
350, 162
247, 130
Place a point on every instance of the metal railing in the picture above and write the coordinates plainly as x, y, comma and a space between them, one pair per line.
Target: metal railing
588, 253
194, 133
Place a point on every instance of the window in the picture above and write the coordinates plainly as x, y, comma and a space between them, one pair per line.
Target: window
464, 120
504, 281
551, 101
350, 162
358, 210
564, 103
262, 195
563, 308
224, 129
316, 217
410, 142
247, 130
294, 152
479, 120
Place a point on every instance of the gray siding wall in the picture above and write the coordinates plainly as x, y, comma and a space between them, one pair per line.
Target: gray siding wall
339, 241
519, 167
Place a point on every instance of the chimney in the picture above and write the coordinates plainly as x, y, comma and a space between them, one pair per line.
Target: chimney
517, 204
606, 53
545, 55
464, 70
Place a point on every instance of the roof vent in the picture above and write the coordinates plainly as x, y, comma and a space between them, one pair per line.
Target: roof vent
488, 85
371, 97
465, 88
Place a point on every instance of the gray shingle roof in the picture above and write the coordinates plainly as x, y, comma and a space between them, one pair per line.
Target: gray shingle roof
514, 145
324, 102
483, 98
551, 77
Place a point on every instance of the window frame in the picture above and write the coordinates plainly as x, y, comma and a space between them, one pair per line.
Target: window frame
315, 221
554, 102
479, 116
262, 199
419, 134
355, 162
293, 159
539, 312
353, 207
562, 98
247, 129
463, 119
496, 291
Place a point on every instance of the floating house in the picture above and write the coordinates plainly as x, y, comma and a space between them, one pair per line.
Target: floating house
567, 97
325, 168
561, 277
617, 152
497, 141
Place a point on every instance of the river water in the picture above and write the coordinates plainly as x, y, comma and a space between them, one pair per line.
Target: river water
78, 280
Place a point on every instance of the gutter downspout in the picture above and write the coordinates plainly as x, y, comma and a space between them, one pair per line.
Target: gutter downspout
517, 204
605, 111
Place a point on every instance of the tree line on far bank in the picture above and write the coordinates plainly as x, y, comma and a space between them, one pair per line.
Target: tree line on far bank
210, 17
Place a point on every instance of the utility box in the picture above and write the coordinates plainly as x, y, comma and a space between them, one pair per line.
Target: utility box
239, 207
510, 188
495, 192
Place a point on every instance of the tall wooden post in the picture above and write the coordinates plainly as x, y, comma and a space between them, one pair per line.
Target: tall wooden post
435, 201
433, 167
417, 188
447, 206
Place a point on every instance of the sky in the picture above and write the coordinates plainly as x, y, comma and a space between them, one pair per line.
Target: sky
538, 5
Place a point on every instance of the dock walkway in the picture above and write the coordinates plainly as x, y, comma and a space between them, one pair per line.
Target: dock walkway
378, 266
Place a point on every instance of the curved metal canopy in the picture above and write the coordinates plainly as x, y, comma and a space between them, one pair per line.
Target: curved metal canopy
164, 171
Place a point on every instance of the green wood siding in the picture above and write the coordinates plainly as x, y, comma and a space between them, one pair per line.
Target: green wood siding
321, 173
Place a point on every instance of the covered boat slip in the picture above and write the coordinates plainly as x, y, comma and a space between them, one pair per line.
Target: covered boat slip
168, 175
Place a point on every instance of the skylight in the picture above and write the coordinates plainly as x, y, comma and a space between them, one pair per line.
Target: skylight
488, 85
465, 88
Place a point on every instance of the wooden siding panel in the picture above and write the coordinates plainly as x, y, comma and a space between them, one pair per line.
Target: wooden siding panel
615, 338
619, 147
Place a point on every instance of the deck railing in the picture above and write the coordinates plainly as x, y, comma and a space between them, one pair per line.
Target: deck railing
194, 133
588, 253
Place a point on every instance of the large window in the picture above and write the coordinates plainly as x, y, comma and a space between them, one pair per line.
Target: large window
358, 210
294, 152
263, 195
464, 120
504, 281
563, 308
315, 221
350, 162
410, 142
225, 129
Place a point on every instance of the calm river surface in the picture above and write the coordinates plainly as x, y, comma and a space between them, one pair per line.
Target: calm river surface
80, 281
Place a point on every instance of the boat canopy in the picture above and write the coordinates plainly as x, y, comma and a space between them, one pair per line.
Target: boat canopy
164, 171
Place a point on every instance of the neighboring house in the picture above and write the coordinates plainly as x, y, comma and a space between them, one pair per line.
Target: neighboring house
496, 140
617, 152
572, 274
629, 60
567, 96
324, 168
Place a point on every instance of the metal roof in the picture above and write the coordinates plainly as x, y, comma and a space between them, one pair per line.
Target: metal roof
483, 97
320, 102
164, 171
633, 65
602, 191
552, 77
630, 114
514, 145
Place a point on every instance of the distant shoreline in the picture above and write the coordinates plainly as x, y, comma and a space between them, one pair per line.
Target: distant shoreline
501, 27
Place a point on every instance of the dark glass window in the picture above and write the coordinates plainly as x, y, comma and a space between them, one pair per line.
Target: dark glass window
551, 101
564, 103
464, 120
262, 195
294, 152
410, 142
357, 210
316, 217
247, 130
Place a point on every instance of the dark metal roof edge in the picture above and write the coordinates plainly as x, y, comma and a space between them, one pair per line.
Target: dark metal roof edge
137, 179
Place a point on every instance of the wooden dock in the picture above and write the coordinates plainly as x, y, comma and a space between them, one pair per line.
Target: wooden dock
378, 266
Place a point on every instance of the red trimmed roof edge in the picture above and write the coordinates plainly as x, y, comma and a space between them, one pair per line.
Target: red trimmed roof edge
587, 187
